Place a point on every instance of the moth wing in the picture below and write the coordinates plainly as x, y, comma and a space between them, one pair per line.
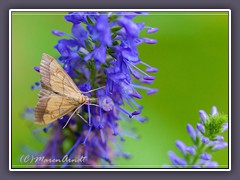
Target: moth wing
52, 106
53, 77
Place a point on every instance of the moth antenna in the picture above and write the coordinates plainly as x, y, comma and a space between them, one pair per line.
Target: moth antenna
73, 114
94, 105
93, 90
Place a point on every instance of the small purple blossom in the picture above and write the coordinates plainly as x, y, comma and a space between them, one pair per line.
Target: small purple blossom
225, 127
211, 164
176, 161
214, 111
37, 69
206, 156
200, 127
219, 138
206, 139
191, 131
152, 30
181, 146
220, 145
190, 150
203, 116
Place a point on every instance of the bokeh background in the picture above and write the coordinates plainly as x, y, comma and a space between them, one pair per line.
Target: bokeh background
192, 57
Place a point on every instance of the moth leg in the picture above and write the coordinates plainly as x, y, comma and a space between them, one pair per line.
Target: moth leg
73, 114
82, 118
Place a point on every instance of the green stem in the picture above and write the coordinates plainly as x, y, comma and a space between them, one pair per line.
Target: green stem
199, 151
93, 73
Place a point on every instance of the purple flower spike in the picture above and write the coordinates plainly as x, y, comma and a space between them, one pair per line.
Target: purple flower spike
151, 70
211, 164
205, 140
214, 111
206, 156
191, 131
149, 41
152, 30
101, 56
191, 150
203, 116
152, 91
200, 127
37, 69
181, 146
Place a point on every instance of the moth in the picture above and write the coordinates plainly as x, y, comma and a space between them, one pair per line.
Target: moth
59, 94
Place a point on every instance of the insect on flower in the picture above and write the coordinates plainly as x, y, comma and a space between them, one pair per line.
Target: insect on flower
100, 54
59, 94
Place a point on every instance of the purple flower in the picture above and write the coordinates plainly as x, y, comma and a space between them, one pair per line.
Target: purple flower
200, 127
176, 161
190, 150
225, 127
211, 164
220, 145
203, 116
100, 52
206, 156
205, 138
191, 131
214, 111
152, 30
180, 145
37, 69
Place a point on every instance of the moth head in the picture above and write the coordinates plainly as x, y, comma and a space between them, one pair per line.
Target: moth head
87, 99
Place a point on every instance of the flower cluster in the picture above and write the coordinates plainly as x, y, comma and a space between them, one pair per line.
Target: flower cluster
206, 139
100, 52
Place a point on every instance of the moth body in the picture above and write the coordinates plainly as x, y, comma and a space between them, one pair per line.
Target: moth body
59, 94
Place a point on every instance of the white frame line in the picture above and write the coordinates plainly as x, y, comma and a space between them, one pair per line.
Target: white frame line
114, 10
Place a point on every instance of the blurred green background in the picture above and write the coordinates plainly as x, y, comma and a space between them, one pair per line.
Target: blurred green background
192, 57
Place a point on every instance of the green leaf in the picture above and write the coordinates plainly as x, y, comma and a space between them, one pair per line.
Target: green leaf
88, 46
115, 43
89, 20
214, 125
110, 51
113, 36
113, 17
81, 54
115, 29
